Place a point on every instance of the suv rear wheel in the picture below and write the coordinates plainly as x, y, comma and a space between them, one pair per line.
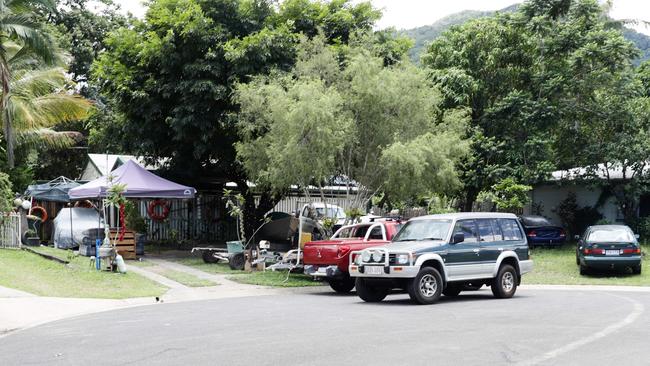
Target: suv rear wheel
370, 292
342, 285
426, 287
504, 284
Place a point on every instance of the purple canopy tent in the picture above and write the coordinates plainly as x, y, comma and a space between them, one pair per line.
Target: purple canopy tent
140, 183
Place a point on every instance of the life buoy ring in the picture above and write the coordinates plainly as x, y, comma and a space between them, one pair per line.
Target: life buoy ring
153, 211
84, 204
41, 210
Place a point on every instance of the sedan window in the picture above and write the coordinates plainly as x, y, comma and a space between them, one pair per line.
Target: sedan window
611, 234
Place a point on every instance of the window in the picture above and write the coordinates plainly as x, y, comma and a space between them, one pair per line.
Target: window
498, 235
468, 228
360, 231
485, 230
510, 229
376, 234
616, 234
424, 230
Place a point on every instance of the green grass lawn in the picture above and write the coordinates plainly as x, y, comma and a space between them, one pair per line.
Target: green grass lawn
30, 272
558, 267
182, 277
275, 279
198, 263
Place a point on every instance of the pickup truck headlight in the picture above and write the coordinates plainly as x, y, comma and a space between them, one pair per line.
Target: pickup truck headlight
365, 256
402, 259
376, 256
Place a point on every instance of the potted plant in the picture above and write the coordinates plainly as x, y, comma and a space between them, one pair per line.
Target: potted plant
135, 222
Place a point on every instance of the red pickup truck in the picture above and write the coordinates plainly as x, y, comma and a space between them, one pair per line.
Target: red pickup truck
329, 259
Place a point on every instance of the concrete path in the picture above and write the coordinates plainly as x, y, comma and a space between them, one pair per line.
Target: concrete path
179, 292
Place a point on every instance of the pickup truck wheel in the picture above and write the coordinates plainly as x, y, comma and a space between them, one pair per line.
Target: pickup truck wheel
343, 285
504, 284
370, 292
426, 287
236, 261
208, 257
452, 290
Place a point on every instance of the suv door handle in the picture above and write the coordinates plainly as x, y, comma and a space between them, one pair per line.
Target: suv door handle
476, 251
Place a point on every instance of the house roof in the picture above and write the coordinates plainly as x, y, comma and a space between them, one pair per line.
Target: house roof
601, 171
105, 163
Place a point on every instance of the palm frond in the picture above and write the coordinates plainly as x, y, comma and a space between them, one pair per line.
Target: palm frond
46, 138
47, 110
23, 28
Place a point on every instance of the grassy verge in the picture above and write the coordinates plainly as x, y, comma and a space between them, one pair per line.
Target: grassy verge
32, 273
558, 267
198, 263
182, 277
275, 279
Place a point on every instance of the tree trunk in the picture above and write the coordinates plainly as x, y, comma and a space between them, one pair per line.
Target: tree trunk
470, 198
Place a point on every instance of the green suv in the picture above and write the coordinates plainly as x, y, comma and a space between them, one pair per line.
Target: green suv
445, 254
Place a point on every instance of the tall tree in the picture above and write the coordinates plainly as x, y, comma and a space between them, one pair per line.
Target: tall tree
18, 26
374, 125
171, 76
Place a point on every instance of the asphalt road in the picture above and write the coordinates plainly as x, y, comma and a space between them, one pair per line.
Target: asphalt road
536, 327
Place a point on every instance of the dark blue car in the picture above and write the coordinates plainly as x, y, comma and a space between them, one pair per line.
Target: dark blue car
540, 231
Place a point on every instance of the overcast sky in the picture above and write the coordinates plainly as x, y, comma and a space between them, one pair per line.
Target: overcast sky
414, 13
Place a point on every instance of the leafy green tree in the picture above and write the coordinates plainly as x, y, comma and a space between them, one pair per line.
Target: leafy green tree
171, 78
375, 125
508, 195
532, 80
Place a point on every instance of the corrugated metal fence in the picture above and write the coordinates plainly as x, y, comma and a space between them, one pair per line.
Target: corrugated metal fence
10, 230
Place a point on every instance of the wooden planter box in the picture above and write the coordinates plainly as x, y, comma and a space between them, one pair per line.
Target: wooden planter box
126, 246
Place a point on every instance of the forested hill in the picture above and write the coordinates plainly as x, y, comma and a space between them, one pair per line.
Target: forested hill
425, 34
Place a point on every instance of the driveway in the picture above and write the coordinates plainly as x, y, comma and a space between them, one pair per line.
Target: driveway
536, 327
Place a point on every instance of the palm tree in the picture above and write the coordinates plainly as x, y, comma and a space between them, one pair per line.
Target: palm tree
18, 27
37, 100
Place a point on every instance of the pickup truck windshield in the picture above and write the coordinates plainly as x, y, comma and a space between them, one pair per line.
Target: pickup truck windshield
424, 230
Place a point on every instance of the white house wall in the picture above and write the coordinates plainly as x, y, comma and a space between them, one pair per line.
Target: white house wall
550, 196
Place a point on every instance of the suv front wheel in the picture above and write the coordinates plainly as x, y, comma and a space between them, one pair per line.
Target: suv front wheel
426, 287
369, 291
504, 284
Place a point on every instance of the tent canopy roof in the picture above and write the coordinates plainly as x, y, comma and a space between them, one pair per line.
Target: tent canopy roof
140, 183
55, 190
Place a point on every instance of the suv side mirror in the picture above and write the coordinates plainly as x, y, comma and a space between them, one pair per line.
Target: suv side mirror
458, 238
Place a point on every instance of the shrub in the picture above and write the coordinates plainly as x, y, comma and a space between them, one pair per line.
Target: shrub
6, 193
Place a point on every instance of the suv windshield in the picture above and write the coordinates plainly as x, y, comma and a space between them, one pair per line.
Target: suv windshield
611, 234
424, 230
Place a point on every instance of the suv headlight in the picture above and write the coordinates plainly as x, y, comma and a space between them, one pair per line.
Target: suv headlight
376, 256
357, 259
365, 256
402, 259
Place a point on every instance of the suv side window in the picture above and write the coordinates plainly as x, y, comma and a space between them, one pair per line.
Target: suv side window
510, 229
468, 228
376, 234
485, 230
498, 234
